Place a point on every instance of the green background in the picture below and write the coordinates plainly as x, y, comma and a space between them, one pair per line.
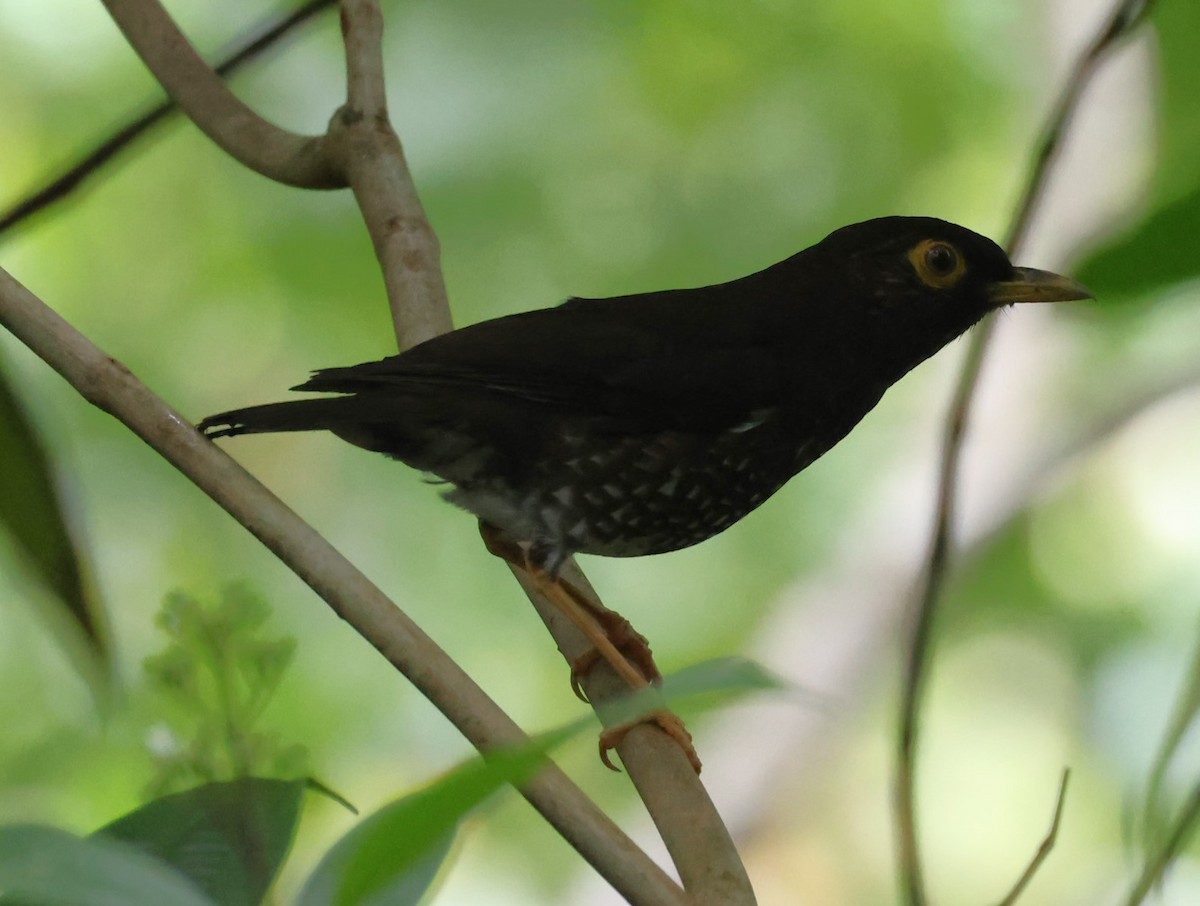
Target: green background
597, 148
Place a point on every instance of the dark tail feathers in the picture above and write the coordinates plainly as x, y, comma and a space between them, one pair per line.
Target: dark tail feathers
296, 415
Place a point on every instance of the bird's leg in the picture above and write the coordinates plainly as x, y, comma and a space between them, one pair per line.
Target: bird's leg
595, 621
613, 638
627, 640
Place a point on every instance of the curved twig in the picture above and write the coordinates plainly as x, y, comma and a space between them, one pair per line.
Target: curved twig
276, 153
75, 174
1126, 16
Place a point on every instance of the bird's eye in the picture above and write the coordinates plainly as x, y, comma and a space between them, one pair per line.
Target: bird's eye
937, 263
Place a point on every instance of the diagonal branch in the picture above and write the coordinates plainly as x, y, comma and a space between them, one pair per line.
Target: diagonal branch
107, 384
1126, 16
75, 174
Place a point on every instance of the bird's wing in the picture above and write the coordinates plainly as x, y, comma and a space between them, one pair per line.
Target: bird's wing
637, 360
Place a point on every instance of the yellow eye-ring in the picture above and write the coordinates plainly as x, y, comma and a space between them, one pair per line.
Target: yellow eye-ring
937, 263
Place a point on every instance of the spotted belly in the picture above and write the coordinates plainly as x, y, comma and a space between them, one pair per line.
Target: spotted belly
636, 495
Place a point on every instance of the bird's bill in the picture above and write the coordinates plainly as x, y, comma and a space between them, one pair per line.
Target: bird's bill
1031, 285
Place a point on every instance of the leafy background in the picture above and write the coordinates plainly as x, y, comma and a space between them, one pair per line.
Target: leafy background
597, 148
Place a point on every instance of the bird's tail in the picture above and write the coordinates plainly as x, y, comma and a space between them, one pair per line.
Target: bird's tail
294, 415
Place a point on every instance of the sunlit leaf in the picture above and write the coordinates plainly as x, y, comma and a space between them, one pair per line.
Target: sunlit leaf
41, 865
228, 838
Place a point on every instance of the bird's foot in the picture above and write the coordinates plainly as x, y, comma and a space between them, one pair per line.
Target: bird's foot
666, 721
613, 640
628, 641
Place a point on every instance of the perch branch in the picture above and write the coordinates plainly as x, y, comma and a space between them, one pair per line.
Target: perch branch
57, 188
1124, 19
363, 141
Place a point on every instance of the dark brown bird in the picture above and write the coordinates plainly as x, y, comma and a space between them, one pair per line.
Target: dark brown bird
646, 423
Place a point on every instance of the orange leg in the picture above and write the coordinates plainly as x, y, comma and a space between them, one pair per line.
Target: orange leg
608, 633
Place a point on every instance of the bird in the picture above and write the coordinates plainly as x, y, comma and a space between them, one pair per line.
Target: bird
647, 423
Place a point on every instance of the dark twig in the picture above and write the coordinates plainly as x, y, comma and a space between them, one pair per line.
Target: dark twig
75, 174
1044, 847
1157, 863
1125, 18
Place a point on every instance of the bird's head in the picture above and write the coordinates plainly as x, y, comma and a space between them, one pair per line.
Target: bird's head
912, 284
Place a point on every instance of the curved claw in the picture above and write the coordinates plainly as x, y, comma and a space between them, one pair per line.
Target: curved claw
669, 723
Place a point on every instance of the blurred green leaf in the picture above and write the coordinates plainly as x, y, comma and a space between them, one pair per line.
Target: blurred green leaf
32, 512
392, 857
221, 671
1159, 250
228, 838
698, 687
43, 865
1157, 254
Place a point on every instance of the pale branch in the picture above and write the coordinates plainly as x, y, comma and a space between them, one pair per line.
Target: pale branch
362, 149
367, 152
286, 157
73, 176
362, 139
107, 384
1126, 16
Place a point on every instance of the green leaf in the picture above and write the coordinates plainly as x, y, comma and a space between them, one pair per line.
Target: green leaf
32, 512
228, 838
1159, 250
1158, 254
391, 857
702, 686
43, 866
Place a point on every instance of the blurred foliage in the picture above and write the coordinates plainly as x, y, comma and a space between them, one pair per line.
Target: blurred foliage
219, 674
229, 839
35, 517
1157, 250
593, 147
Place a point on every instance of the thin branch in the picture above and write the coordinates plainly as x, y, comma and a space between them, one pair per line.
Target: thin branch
276, 153
361, 140
363, 146
75, 174
107, 384
1125, 18
1157, 863
1044, 847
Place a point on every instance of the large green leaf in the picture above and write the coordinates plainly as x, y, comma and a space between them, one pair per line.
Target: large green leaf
1159, 250
391, 857
43, 866
32, 512
228, 838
